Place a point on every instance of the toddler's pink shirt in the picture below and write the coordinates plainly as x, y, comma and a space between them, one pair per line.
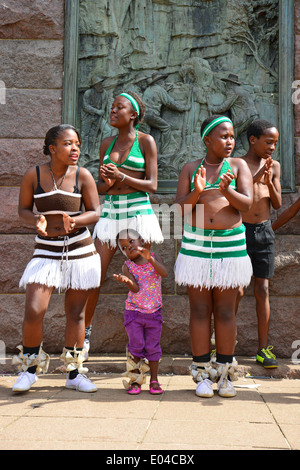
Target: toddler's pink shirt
148, 299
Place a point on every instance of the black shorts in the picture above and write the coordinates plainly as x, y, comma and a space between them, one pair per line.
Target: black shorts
260, 247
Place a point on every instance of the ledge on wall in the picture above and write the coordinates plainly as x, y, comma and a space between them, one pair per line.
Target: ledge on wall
170, 365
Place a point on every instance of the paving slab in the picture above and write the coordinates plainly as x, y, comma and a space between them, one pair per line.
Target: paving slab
265, 415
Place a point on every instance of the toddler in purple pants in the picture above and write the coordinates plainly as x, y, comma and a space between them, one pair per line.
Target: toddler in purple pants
141, 272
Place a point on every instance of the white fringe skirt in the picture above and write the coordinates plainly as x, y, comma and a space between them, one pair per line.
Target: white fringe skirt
213, 258
124, 211
69, 262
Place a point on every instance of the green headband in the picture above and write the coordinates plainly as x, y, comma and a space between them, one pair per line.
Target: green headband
132, 101
213, 124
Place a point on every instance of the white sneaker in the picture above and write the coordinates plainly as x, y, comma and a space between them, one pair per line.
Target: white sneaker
85, 350
226, 389
204, 389
81, 383
24, 382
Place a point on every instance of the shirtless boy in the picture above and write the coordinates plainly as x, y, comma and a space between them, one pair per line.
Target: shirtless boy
262, 137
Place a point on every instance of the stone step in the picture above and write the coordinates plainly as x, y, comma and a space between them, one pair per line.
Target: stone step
175, 365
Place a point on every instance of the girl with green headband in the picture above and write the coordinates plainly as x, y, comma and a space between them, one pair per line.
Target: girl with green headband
127, 173
213, 262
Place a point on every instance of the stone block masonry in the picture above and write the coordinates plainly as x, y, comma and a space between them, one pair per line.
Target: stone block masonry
31, 56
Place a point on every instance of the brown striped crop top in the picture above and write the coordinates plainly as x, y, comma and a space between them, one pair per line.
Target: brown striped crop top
57, 201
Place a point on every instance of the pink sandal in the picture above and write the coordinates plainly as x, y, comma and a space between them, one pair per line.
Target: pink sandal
155, 391
134, 389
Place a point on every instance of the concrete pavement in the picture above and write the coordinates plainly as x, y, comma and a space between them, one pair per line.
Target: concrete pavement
264, 415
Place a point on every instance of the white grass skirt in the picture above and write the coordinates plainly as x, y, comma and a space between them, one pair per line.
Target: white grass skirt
213, 258
223, 273
64, 263
123, 211
106, 230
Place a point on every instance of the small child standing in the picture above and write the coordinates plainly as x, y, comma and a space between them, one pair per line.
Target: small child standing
142, 273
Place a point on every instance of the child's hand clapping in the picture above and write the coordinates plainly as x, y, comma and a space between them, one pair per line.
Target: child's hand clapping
69, 223
144, 252
267, 178
41, 225
226, 179
268, 163
107, 179
264, 173
200, 179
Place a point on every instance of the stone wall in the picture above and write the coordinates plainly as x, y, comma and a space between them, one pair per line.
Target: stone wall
31, 38
32, 70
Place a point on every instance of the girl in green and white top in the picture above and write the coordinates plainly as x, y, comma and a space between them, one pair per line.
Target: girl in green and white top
127, 173
213, 260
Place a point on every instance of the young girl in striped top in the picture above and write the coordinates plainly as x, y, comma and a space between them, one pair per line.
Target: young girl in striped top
213, 262
64, 258
127, 174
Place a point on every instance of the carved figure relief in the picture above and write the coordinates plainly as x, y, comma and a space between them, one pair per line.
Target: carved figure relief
94, 119
187, 59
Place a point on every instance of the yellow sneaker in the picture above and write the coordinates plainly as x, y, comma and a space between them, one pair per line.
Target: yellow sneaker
266, 358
